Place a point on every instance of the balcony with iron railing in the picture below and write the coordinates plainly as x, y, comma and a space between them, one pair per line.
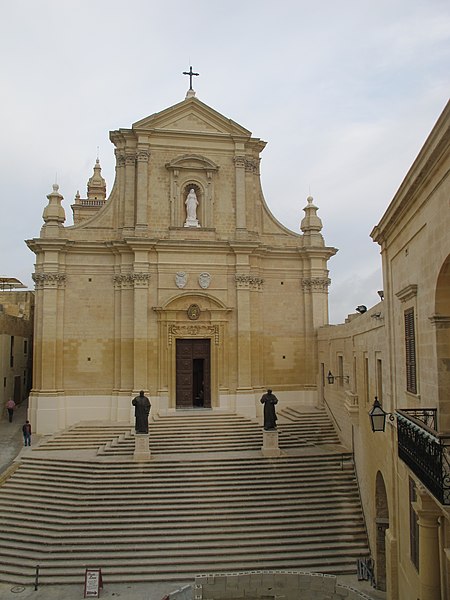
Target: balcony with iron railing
424, 450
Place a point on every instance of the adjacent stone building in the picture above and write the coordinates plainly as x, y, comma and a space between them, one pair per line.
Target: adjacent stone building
399, 352
182, 283
16, 341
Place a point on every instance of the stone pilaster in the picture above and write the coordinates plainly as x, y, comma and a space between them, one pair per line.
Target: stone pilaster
428, 514
239, 163
130, 191
143, 155
120, 178
48, 363
140, 359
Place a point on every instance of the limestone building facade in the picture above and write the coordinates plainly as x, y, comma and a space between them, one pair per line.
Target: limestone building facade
181, 283
399, 352
16, 344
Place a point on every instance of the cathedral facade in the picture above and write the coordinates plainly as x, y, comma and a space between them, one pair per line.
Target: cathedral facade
181, 283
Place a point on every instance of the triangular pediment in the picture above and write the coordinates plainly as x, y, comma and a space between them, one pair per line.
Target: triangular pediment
191, 115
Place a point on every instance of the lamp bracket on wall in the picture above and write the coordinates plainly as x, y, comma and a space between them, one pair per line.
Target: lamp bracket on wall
378, 416
331, 377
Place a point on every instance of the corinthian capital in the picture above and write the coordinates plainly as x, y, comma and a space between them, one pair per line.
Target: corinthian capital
143, 155
239, 161
248, 282
49, 280
129, 280
316, 284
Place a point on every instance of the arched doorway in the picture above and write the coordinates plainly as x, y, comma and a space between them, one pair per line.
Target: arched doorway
382, 523
193, 344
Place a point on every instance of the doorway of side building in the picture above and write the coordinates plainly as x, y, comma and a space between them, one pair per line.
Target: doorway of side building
193, 373
382, 523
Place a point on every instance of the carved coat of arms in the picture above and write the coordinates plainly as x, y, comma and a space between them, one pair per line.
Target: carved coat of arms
181, 279
204, 279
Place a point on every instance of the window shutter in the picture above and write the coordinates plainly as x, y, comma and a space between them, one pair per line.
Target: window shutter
410, 347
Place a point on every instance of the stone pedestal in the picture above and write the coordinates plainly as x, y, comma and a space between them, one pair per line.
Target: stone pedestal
270, 443
192, 223
141, 447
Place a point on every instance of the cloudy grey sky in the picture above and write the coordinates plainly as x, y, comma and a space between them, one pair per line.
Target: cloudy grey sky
345, 93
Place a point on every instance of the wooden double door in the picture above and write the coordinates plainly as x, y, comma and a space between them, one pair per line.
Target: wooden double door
193, 377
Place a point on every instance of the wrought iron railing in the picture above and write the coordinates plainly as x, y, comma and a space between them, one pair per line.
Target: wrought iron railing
424, 450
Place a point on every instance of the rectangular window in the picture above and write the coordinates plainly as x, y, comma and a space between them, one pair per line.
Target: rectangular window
25, 346
410, 348
413, 526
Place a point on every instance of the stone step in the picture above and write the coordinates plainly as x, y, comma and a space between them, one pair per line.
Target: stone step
187, 556
307, 528
175, 572
199, 430
102, 511
208, 502
196, 539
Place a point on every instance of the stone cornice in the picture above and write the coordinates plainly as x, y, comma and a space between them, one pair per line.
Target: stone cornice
191, 330
408, 292
440, 321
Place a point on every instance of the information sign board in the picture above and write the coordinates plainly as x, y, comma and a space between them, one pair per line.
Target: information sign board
92, 583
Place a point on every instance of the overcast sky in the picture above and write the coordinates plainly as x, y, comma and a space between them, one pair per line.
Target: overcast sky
344, 92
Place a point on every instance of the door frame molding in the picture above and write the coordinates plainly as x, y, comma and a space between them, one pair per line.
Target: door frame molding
174, 323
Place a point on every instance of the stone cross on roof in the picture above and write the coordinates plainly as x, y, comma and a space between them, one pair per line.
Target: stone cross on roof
191, 74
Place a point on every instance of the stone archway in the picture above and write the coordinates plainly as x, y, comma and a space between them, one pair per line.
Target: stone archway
382, 523
441, 321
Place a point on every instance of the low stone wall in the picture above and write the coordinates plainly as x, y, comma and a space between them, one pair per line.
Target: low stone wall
184, 593
268, 585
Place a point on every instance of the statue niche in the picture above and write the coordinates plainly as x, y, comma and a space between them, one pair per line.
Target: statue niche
191, 202
192, 171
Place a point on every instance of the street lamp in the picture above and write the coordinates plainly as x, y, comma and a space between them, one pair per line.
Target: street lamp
378, 416
332, 377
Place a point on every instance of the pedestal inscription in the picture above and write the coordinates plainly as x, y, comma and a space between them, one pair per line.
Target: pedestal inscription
141, 447
270, 443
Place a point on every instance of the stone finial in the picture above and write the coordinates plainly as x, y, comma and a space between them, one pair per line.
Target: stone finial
54, 214
311, 224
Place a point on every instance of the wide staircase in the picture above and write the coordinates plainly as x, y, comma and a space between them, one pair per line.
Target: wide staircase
207, 502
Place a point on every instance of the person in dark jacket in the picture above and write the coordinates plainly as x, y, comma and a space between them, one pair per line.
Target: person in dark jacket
26, 430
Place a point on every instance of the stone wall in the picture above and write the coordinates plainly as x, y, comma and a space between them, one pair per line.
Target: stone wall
289, 585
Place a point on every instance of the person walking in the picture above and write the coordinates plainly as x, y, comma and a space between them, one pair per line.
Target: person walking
10, 406
26, 429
